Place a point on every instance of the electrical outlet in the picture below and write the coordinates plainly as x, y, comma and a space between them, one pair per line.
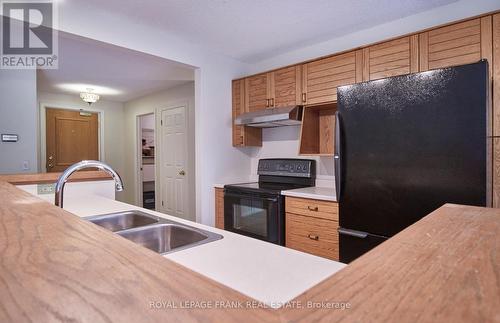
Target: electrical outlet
46, 189
26, 165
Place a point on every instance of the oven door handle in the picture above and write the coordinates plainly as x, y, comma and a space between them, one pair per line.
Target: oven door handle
271, 199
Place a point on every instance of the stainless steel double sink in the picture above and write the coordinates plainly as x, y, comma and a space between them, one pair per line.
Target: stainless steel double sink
155, 233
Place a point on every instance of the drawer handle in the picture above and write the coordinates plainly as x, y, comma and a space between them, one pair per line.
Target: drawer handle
315, 209
313, 237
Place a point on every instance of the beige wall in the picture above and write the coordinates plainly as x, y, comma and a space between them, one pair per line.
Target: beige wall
113, 130
183, 94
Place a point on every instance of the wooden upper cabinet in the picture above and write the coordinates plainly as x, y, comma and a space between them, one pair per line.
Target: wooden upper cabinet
243, 136
285, 86
322, 77
462, 43
238, 108
257, 92
395, 57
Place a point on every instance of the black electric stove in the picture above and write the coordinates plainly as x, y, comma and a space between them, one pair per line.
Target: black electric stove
258, 209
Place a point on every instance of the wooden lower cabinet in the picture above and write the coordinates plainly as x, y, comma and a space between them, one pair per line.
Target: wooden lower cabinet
312, 208
496, 173
315, 229
219, 208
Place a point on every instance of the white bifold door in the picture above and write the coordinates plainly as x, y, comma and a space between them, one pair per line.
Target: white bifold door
173, 162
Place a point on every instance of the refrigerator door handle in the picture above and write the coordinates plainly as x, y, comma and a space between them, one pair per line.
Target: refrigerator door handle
337, 156
353, 233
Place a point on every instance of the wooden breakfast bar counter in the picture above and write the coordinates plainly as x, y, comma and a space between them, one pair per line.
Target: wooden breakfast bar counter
56, 267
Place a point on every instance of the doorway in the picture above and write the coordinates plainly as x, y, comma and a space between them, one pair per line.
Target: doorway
146, 158
71, 136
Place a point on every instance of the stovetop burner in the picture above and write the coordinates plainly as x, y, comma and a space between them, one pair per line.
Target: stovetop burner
276, 175
274, 188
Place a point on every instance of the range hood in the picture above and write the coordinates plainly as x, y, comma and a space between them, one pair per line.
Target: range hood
270, 118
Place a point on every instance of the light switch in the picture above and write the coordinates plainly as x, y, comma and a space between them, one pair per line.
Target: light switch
9, 137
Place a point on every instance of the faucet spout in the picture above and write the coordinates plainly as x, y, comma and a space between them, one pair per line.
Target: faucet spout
59, 190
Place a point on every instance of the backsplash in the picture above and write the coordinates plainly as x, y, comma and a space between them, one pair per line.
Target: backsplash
283, 142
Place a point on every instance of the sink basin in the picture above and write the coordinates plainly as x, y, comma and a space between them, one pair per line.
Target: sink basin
168, 237
158, 234
123, 220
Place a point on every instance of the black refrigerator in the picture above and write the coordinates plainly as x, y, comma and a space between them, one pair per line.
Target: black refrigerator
405, 146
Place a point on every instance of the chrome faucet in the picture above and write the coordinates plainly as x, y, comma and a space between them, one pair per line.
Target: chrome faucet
59, 190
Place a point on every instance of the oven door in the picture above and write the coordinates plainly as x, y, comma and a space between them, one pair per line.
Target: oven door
257, 215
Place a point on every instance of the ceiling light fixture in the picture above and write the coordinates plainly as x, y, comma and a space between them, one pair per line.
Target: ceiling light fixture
89, 96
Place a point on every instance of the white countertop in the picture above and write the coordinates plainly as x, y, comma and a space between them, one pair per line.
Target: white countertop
266, 272
317, 193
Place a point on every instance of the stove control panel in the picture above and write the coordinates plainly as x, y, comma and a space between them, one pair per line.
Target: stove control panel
287, 167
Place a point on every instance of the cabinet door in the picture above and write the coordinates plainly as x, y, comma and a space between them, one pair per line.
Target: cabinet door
243, 136
257, 92
457, 44
322, 77
395, 57
238, 108
286, 86
219, 208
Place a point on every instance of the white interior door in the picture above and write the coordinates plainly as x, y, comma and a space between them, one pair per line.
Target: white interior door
173, 175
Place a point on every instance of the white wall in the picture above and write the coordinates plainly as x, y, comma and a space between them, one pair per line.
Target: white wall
182, 95
112, 114
18, 115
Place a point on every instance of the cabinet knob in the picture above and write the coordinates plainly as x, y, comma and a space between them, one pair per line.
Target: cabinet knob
267, 103
313, 237
272, 102
311, 208
182, 173
304, 97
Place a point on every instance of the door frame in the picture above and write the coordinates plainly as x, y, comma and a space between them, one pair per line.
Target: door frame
42, 134
190, 164
138, 158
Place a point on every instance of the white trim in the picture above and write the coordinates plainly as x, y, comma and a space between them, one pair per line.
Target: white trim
42, 130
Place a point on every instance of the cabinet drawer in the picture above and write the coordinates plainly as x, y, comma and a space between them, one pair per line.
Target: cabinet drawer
315, 208
312, 235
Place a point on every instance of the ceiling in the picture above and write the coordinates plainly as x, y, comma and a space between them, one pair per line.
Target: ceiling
252, 30
115, 73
